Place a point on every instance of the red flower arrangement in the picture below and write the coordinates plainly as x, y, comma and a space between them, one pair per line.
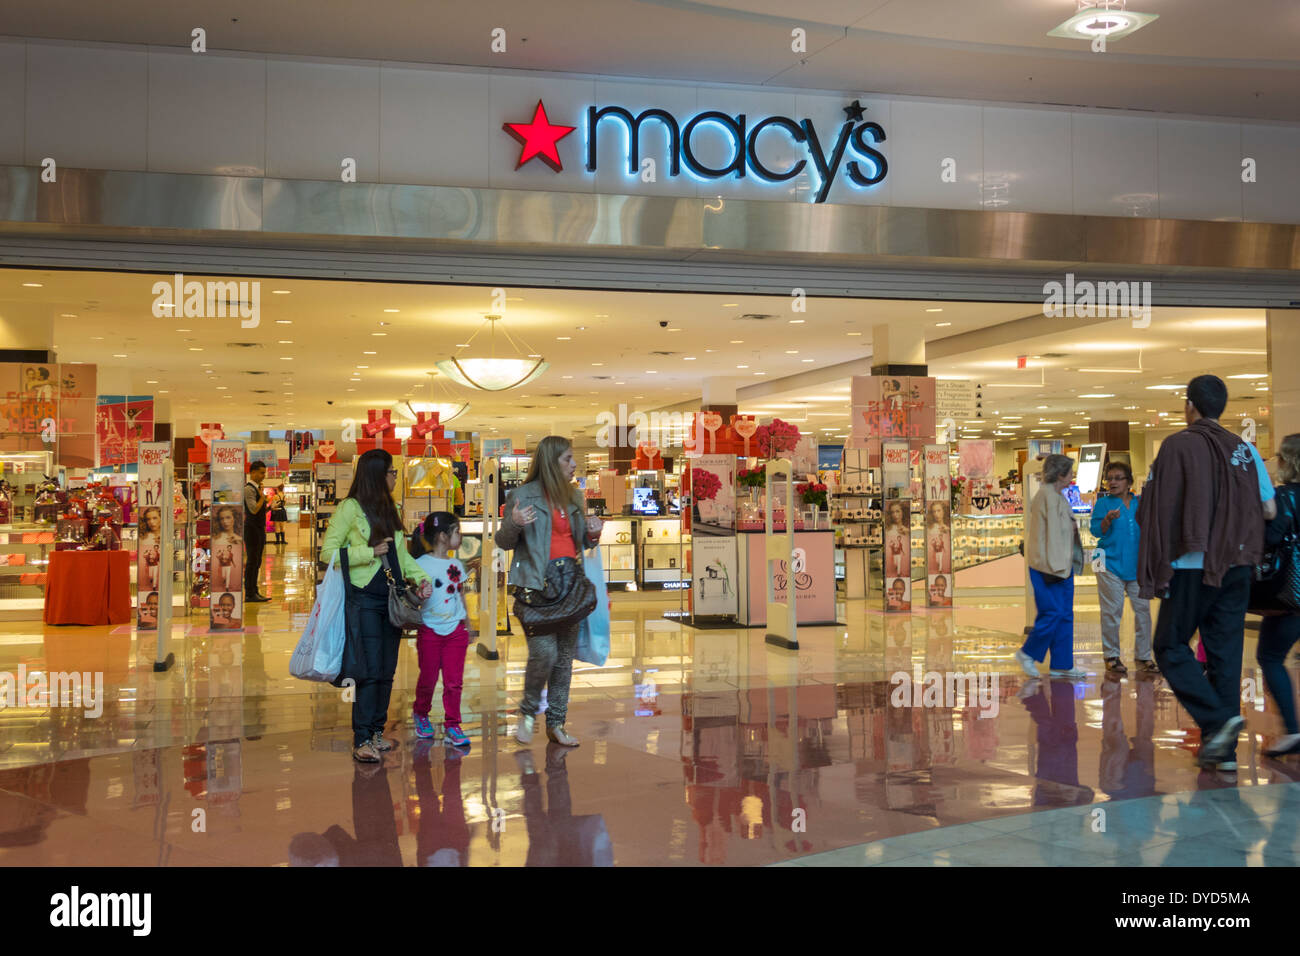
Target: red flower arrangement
705, 485
777, 438
812, 493
751, 477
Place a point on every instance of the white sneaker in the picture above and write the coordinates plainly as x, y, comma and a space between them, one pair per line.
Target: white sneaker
524, 729
1027, 664
1074, 673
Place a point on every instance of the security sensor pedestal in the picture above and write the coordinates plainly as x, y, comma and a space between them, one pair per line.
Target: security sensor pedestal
782, 616
487, 571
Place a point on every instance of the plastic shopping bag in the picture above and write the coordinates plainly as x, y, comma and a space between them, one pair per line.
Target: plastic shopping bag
319, 654
593, 633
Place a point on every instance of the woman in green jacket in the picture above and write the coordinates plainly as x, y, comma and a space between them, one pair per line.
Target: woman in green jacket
368, 527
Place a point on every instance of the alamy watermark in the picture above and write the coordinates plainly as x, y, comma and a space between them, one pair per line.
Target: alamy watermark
209, 300
949, 690
1098, 300
42, 689
659, 429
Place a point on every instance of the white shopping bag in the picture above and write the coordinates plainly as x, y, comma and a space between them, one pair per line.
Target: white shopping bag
319, 654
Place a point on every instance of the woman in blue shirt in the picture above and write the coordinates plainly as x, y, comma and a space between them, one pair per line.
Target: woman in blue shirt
1114, 524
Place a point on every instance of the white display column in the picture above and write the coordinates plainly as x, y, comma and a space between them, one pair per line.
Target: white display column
1284, 377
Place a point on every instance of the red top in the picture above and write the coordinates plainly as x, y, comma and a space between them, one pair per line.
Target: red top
561, 536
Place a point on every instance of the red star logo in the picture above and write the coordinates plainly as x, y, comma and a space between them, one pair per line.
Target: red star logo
539, 138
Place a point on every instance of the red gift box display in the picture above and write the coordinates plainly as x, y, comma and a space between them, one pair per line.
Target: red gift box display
711, 435
208, 433
648, 457
326, 452
379, 432
427, 438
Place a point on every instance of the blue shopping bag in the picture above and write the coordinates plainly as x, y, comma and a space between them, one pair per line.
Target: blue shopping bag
593, 633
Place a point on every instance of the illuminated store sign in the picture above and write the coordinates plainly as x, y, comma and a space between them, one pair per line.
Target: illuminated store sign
853, 148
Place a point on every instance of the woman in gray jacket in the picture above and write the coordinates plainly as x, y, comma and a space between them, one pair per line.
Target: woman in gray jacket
544, 522
1054, 555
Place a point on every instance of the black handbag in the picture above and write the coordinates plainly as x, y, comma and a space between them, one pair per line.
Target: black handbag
1275, 584
566, 598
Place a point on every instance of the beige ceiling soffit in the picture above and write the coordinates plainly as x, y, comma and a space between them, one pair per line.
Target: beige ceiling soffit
1024, 329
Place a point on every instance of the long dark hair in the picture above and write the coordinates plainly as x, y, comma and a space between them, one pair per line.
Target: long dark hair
545, 468
435, 524
370, 490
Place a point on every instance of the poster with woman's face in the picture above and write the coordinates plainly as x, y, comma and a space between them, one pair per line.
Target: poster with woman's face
898, 538
147, 612
939, 588
898, 594
227, 611
938, 549
149, 552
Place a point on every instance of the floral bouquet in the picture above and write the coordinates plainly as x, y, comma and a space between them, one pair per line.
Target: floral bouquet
705, 485
777, 438
958, 489
751, 477
812, 493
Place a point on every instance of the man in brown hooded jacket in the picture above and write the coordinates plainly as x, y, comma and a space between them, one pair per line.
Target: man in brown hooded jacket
1202, 516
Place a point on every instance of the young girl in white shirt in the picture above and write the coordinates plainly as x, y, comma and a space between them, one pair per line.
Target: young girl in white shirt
443, 637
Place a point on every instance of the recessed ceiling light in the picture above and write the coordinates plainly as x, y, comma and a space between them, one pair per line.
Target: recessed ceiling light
1097, 395
349, 390
809, 360
942, 325
284, 321
68, 315
151, 381
760, 373
852, 333
286, 358
1250, 375
1164, 388
742, 366
1102, 18
204, 364
563, 338
796, 321
184, 330
934, 310
378, 333
791, 351
689, 358
279, 292
194, 348
119, 355
737, 341
674, 330
566, 376
285, 342
165, 391
1232, 352
597, 364
392, 310
369, 353
33, 285
728, 305
363, 366
221, 388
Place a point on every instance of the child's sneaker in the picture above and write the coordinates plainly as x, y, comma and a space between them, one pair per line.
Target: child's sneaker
456, 737
423, 728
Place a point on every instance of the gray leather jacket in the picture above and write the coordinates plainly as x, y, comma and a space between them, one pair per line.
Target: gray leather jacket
531, 543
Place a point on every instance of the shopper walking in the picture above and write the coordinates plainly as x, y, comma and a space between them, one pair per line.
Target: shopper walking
442, 638
1202, 517
254, 532
367, 531
544, 523
1054, 554
1114, 525
1281, 627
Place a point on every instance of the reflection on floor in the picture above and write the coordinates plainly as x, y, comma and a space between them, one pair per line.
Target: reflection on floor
698, 747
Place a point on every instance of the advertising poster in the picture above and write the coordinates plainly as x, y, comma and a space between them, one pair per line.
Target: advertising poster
49, 408
714, 567
938, 527
896, 469
121, 423
889, 406
1042, 447
713, 493
496, 447
153, 551
226, 565
812, 574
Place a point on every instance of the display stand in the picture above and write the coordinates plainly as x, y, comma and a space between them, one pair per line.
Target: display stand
197, 525
489, 593
936, 525
857, 510
782, 616
163, 657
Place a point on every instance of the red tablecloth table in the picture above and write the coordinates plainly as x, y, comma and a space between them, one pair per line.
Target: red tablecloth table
88, 587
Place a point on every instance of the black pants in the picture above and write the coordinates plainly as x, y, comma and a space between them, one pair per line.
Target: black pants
254, 546
1277, 635
1220, 615
371, 660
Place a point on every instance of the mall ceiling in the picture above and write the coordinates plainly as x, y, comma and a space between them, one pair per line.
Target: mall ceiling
1211, 57
369, 345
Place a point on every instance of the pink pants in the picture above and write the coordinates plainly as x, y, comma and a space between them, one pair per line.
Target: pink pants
1200, 650
446, 653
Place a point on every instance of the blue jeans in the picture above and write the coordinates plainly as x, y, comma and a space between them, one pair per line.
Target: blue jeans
1054, 625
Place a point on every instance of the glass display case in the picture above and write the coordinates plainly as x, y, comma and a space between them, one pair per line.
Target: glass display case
660, 563
980, 538
618, 553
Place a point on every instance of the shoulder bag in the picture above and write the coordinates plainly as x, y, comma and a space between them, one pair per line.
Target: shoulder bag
567, 597
405, 609
1275, 584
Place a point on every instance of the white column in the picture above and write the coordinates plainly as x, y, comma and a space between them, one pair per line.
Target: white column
1284, 375
902, 343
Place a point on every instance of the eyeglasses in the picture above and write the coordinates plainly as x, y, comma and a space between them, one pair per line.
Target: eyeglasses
393, 472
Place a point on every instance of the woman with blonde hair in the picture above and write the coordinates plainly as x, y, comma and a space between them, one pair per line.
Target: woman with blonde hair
1281, 626
544, 523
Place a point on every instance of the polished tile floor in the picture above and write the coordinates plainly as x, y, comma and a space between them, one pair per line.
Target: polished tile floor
698, 748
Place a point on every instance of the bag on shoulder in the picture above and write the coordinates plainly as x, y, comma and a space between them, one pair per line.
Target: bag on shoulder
405, 608
1275, 584
567, 597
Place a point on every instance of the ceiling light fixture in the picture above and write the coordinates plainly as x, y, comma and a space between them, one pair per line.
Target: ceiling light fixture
1097, 395
1102, 18
493, 373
